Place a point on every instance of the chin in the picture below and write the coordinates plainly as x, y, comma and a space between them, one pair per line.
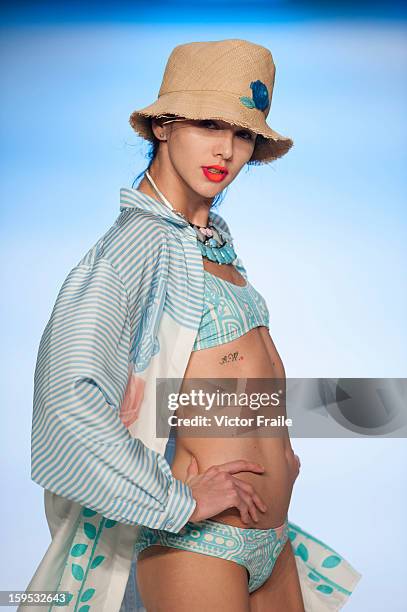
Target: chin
210, 190
207, 191
204, 188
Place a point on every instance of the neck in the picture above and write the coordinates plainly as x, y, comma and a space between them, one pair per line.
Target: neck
179, 195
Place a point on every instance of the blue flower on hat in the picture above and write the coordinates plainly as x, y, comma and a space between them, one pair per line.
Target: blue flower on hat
260, 97
260, 94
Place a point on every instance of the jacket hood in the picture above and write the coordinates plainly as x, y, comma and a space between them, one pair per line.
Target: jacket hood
133, 198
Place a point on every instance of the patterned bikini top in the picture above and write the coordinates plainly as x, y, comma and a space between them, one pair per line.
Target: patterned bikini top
230, 311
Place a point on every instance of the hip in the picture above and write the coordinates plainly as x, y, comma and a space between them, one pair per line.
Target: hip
274, 485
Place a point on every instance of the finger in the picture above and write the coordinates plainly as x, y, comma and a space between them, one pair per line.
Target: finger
253, 512
253, 495
259, 502
235, 500
244, 503
241, 465
250, 507
244, 514
193, 466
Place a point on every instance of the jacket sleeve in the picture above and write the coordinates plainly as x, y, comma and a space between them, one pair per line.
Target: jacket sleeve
80, 448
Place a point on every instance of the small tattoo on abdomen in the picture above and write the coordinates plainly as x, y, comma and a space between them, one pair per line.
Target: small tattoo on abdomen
230, 358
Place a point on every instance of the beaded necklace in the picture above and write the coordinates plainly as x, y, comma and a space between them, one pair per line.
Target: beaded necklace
211, 241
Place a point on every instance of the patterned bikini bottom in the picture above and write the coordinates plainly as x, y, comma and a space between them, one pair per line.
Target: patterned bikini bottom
256, 549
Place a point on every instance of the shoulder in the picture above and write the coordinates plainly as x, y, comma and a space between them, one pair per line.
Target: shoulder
136, 226
137, 234
135, 246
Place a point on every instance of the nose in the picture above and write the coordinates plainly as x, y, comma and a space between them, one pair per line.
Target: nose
224, 144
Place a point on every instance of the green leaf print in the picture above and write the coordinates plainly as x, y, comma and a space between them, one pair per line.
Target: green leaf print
65, 602
331, 561
90, 530
78, 550
110, 523
89, 512
302, 552
77, 571
84, 609
247, 102
324, 588
292, 535
313, 576
87, 594
97, 561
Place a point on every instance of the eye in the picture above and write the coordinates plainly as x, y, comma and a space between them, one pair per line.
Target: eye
247, 135
207, 123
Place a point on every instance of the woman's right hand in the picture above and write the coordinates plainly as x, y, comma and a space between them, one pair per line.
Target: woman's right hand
216, 490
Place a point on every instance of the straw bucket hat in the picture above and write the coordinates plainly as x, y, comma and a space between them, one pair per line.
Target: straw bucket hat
230, 80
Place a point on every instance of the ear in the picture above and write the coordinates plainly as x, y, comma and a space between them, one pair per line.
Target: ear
159, 130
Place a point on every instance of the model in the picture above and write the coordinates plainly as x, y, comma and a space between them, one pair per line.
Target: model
164, 295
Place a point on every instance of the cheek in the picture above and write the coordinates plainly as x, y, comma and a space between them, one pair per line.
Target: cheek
187, 166
240, 158
244, 150
186, 150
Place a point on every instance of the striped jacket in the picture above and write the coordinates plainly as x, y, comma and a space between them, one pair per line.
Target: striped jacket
127, 314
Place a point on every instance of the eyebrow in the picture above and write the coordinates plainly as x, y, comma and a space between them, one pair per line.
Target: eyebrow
238, 127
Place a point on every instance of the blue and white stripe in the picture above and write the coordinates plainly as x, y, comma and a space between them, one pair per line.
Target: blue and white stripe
130, 309
80, 448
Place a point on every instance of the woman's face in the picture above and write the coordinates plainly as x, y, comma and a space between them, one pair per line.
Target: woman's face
193, 145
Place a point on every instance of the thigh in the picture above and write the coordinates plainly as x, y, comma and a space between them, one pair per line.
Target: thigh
175, 580
282, 590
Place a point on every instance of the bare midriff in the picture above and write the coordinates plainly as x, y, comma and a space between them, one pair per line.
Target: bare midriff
252, 355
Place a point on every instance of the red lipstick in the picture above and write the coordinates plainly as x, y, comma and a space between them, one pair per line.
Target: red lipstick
215, 173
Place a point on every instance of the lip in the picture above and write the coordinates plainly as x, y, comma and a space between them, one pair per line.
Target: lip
215, 178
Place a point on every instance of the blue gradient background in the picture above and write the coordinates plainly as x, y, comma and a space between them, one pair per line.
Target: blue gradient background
326, 245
